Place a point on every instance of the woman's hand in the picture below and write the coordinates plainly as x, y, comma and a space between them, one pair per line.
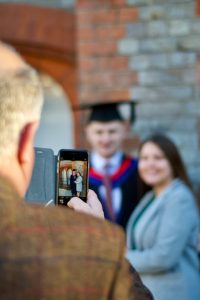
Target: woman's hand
92, 207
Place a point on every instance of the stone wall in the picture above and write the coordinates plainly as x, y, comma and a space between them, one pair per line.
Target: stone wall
64, 4
149, 51
166, 43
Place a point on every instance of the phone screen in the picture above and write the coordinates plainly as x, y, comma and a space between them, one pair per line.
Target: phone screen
72, 174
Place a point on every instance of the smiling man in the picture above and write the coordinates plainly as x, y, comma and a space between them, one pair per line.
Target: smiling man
113, 175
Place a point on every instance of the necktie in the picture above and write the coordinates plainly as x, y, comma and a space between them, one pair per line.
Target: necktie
108, 189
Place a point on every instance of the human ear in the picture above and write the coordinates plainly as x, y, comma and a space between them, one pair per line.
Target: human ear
26, 142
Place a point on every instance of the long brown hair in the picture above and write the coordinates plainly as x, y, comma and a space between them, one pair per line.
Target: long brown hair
172, 155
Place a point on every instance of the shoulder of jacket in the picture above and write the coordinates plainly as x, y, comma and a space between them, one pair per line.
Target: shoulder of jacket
180, 189
67, 217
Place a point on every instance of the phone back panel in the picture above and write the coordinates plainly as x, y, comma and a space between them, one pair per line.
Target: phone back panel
43, 182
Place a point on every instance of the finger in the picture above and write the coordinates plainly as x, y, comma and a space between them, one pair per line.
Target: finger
78, 205
92, 198
73, 202
95, 204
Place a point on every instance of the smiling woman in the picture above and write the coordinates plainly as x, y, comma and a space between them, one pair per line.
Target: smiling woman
162, 231
160, 162
154, 167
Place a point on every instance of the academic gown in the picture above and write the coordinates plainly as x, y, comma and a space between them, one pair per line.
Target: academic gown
126, 178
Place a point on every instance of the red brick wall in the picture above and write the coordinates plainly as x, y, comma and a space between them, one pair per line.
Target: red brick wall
198, 7
103, 73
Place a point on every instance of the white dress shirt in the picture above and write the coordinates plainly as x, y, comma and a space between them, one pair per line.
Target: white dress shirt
98, 163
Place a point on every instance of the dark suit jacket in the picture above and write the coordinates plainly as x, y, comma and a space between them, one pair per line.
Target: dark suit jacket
73, 183
55, 253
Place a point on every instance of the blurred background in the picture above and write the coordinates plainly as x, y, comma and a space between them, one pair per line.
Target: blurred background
96, 50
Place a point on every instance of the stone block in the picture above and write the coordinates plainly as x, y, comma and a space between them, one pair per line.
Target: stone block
182, 10
147, 2
167, 123
181, 59
169, 77
190, 155
179, 27
148, 61
160, 109
137, 2
157, 45
161, 61
197, 92
193, 107
128, 46
162, 93
157, 28
137, 30
168, 11
153, 12
195, 26
193, 170
189, 43
183, 139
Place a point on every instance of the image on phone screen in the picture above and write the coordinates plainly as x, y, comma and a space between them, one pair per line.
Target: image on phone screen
72, 175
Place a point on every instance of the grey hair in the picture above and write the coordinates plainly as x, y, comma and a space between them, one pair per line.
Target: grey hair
21, 102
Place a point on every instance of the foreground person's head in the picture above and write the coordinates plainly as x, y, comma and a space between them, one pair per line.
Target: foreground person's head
20, 107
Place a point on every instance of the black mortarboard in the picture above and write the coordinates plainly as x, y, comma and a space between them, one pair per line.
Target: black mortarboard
110, 111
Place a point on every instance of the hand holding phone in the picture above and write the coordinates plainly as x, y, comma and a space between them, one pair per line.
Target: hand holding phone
92, 207
72, 175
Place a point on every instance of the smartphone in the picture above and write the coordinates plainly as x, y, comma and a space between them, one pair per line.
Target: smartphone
72, 175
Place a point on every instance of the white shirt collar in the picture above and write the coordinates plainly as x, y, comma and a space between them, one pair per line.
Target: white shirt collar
98, 162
